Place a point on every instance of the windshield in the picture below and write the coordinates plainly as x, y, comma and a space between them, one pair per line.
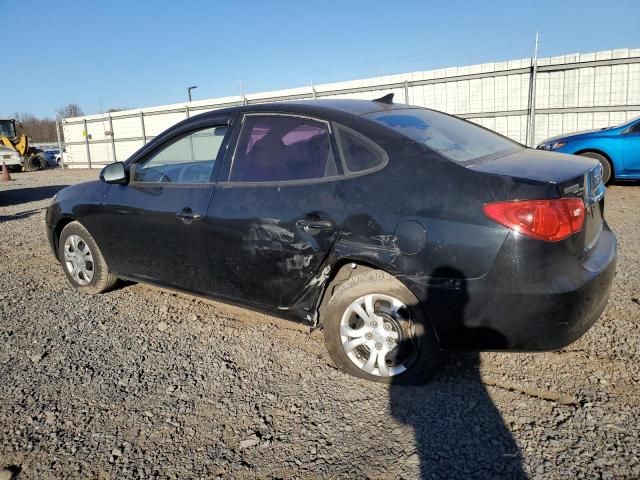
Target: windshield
450, 136
6, 129
628, 122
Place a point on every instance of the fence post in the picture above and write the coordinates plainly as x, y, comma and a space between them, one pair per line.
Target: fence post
59, 142
113, 139
144, 132
406, 92
86, 142
531, 123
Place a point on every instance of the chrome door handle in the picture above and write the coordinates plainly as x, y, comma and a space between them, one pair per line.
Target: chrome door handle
307, 225
187, 216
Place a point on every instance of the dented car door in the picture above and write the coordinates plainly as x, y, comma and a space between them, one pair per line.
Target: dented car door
273, 222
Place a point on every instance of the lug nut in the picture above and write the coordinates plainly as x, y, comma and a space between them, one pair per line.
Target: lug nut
374, 324
378, 345
368, 335
390, 341
387, 326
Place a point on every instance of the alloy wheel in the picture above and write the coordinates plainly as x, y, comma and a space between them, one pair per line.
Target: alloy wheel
378, 335
78, 259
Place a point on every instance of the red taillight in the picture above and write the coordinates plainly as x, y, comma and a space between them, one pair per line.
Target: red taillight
550, 220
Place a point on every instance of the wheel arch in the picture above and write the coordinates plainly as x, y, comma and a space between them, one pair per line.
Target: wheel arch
599, 152
57, 231
342, 270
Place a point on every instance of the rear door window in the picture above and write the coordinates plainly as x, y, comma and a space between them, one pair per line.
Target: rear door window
275, 148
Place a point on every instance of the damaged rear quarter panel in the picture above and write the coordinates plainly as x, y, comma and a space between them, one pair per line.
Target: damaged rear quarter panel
419, 187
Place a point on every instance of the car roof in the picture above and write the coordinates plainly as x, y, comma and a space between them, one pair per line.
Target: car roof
356, 107
321, 107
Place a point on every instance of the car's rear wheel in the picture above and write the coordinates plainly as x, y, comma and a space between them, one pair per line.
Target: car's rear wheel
82, 260
607, 170
374, 328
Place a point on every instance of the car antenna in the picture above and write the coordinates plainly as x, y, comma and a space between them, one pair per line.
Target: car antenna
388, 99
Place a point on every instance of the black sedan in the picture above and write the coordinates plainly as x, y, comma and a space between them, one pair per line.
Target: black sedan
401, 231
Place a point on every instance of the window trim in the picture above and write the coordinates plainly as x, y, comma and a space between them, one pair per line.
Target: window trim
635, 128
303, 181
348, 173
178, 135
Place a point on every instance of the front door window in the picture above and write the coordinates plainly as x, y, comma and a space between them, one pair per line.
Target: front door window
189, 159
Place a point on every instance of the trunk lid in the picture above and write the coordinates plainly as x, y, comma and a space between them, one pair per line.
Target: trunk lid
539, 165
573, 176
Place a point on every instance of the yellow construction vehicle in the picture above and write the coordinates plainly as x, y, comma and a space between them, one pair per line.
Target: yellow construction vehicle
15, 150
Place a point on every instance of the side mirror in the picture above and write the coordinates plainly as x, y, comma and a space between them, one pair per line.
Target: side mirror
114, 173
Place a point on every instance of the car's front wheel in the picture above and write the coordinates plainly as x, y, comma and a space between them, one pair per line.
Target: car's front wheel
82, 260
375, 329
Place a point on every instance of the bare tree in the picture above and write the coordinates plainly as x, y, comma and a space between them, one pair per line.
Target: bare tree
70, 110
37, 129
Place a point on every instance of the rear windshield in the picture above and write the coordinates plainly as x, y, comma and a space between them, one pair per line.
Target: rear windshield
450, 136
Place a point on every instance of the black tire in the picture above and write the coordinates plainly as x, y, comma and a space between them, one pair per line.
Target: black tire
35, 162
102, 280
607, 170
423, 343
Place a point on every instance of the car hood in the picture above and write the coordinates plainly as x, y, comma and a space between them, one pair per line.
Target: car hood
577, 135
537, 165
4, 150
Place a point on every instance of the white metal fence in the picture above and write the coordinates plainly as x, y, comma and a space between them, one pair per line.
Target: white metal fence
572, 92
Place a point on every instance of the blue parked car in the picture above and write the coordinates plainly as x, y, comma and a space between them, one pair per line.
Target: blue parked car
53, 157
616, 148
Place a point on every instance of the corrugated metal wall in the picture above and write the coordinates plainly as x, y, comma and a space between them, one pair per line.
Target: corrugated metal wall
573, 92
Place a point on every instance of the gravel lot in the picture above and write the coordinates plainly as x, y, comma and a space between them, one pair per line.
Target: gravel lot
143, 383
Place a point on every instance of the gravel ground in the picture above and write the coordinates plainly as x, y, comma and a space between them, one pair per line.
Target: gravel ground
143, 383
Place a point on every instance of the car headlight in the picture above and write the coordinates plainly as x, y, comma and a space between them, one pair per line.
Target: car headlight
551, 145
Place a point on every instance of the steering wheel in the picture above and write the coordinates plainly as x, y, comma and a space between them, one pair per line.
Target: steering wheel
183, 173
150, 174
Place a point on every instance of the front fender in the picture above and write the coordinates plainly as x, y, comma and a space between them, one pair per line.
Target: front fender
81, 202
605, 146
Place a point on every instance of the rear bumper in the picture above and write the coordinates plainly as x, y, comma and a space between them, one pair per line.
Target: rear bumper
524, 303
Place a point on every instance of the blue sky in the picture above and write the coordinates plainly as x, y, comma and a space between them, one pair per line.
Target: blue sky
137, 53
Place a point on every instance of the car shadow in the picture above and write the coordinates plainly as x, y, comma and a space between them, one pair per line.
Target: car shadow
20, 215
459, 431
627, 183
18, 196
